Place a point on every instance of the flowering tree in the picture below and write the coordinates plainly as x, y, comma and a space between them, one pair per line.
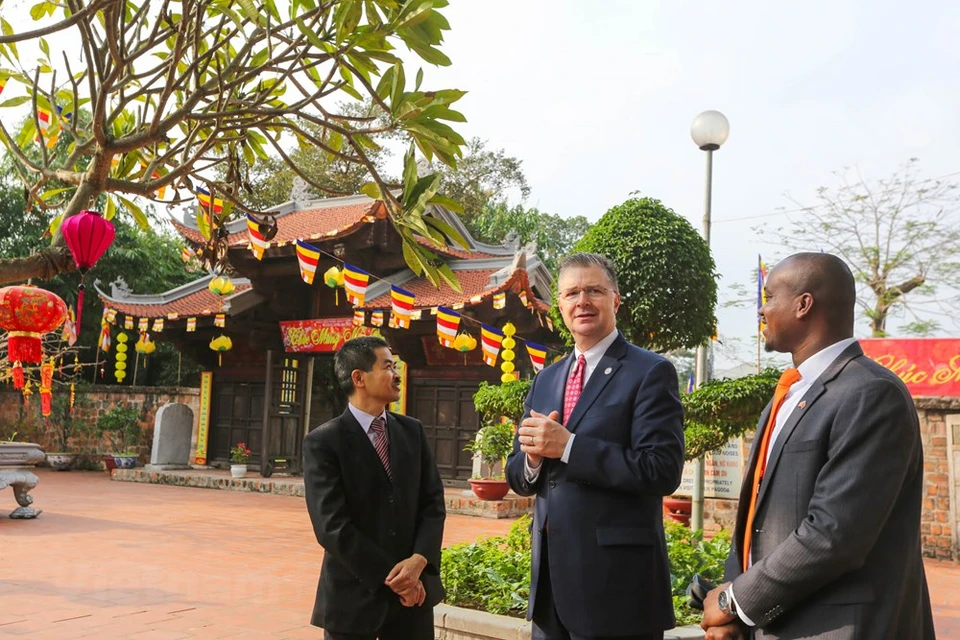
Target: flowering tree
165, 93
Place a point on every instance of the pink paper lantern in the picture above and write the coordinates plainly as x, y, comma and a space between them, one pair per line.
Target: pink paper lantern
88, 236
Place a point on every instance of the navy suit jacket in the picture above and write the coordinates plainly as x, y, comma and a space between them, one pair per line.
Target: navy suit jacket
603, 509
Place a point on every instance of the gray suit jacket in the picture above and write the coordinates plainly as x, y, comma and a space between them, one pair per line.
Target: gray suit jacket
836, 541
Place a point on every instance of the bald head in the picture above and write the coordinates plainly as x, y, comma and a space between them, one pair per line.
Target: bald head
829, 280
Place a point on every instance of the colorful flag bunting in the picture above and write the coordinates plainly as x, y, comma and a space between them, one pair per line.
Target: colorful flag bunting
690, 383
191, 325
203, 201
158, 324
258, 244
44, 118
538, 355
355, 283
376, 318
220, 320
128, 322
143, 325
358, 318
524, 299
447, 324
70, 328
187, 254
402, 307
111, 315
104, 337
173, 316
308, 256
490, 339
499, 300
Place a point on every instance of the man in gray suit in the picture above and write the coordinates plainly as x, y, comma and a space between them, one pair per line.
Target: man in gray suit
828, 544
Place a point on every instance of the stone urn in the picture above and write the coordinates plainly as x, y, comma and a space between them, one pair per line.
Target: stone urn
16, 459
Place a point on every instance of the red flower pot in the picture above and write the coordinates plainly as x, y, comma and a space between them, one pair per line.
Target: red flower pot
489, 489
678, 509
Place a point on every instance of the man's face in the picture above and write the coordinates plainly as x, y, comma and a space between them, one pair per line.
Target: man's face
588, 304
779, 312
382, 382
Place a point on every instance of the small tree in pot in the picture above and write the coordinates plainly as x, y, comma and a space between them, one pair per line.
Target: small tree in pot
121, 425
500, 408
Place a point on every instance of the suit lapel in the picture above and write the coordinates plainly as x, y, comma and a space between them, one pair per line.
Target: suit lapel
808, 399
746, 485
399, 451
607, 367
360, 442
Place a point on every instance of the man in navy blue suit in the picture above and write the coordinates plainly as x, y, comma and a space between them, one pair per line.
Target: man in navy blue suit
600, 444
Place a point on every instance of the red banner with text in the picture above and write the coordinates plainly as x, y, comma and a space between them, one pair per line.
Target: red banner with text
928, 366
321, 335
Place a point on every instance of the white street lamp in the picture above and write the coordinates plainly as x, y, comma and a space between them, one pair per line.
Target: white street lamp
709, 130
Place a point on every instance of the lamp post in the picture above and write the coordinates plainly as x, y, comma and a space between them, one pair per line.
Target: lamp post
709, 130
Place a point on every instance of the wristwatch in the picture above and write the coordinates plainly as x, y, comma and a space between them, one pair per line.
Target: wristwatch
725, 602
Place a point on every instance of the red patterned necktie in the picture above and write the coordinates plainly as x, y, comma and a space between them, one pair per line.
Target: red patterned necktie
378, 429
574, 387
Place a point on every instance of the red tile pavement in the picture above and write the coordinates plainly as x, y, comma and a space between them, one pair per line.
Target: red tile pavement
157, 562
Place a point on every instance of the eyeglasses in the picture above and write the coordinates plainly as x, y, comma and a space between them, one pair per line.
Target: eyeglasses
593, 293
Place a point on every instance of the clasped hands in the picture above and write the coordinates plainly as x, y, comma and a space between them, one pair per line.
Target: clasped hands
717, 624
404, 580
542, 436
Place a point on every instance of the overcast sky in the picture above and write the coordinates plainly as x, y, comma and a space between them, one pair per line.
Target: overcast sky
597, 99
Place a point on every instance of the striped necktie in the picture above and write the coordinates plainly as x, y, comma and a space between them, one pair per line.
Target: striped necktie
379, 431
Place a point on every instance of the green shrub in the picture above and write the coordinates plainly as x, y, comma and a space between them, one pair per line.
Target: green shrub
493, 574
121, 424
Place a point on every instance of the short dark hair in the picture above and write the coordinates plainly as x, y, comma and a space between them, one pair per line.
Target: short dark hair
584, 259
358, 353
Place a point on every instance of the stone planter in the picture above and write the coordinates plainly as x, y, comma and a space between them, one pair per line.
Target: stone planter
108, 462
487, 489
61, 461
16, 458
238, 470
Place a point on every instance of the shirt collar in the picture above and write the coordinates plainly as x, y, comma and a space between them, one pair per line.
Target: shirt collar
365, 418
814, 366
594, 353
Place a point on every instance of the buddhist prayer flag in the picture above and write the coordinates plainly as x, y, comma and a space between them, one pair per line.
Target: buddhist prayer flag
111, 315
447, 324
523, 299
104, 337
191, 325
44, 118
186, 254
203, 200
490, 339
143, 325
761, 280
402, 301
355, 283
173, 316
220, 320
3, 83
258, 244
158, 324
128, 322
376, 318
358, 317
538, 355
690, 383
308, 256
499, 300
70, 328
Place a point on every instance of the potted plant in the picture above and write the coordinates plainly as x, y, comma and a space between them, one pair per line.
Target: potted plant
500, 407
239, 457
121, 425
493, 444
62, 426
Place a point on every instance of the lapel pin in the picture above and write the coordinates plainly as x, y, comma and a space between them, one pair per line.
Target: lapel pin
802, 404
607, 371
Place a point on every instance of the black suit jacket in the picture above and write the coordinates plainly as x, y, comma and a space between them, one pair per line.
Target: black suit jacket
836, 542
603, 509
367, 523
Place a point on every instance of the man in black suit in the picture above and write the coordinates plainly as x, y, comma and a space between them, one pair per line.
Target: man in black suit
827, 543
376, 502
600, 444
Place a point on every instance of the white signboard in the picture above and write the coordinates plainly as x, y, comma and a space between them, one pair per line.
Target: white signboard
722, 474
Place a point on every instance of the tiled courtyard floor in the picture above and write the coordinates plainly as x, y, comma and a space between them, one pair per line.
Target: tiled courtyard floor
124, 560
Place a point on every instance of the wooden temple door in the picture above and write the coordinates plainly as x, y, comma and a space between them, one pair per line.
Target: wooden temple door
445, 407
237, 417
283, 416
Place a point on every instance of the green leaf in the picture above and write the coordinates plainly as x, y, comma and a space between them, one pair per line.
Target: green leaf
110, 209
54, 227
411, 253
419, 79
335, 141
450, 278
251, 10
409, 172
447, 203
203, 223
45, 47
52, 192
446, 229
15, 102
372, 190
136, 211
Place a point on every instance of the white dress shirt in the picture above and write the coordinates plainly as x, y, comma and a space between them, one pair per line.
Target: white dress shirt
592, 357
365, 420
811, 369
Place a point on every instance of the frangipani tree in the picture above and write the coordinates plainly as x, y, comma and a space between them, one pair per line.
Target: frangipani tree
129, 98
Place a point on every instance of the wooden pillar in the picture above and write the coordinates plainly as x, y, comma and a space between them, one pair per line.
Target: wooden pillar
267, 406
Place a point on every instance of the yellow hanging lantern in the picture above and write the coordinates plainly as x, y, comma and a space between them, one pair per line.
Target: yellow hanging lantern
333, 278
120, 368
220, 344
221, 286
145, 346
507, 355
464, 342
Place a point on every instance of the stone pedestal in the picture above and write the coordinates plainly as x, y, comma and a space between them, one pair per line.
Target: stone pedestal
16, 458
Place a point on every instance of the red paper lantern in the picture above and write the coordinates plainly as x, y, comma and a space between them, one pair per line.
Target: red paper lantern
88, 236
27, 313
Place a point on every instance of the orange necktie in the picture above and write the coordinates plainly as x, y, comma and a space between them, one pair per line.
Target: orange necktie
787, 379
